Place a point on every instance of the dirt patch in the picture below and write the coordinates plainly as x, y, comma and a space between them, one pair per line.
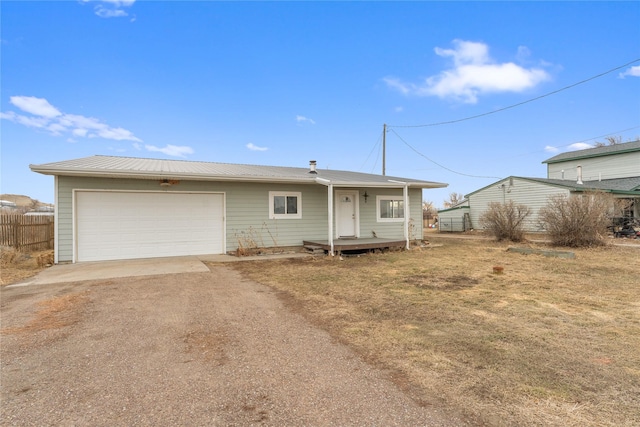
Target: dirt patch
208, 345
444, 283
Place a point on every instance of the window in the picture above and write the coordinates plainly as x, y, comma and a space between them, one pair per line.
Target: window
390, 208
285, 205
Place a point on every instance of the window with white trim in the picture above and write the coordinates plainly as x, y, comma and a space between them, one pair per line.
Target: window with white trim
390, 208
285, 205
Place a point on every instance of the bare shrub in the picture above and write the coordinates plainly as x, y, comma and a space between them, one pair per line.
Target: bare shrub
578, 220
505, 221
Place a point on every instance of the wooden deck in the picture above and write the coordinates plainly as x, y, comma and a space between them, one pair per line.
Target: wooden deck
340, 245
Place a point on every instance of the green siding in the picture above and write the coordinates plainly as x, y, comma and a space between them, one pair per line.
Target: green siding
616, 165
247, 204
390, 230
532, 194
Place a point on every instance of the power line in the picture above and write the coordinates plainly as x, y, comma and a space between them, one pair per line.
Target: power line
601, 136
371, 152
438, 164
520, 103
575, 142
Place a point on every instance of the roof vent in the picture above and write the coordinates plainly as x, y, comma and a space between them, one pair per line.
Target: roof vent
312, 166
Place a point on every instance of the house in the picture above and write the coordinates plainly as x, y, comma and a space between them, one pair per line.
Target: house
111, 208
613, 169
455, 218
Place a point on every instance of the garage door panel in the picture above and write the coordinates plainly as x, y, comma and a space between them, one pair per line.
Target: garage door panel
124, 225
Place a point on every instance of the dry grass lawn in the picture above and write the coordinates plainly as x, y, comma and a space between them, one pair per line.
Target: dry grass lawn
551, 341
16, 266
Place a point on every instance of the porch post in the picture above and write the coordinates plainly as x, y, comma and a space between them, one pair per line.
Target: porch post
330, 215
405, 195
56, 221
405, 200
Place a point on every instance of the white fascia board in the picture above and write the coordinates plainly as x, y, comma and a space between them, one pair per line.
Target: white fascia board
395, 184
164, 175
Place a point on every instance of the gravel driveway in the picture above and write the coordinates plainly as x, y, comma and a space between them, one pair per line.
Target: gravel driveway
197, 349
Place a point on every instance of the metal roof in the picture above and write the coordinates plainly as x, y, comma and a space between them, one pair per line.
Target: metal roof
605, 150
141, 168
627, 186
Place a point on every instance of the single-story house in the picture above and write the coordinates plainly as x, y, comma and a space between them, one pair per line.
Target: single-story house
110, 208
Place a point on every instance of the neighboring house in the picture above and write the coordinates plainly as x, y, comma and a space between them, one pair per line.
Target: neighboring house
39, 213
8, 206
613, 169
455, 218
111, 208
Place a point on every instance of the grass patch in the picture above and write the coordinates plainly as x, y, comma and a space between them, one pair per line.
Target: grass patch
54, 313
550, 341
16, 266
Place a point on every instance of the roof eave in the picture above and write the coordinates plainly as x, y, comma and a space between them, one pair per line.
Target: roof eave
167, 175
123, 174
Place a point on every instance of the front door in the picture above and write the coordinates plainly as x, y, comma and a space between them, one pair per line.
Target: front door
347, 214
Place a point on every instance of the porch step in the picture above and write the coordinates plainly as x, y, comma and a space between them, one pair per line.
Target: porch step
314, 249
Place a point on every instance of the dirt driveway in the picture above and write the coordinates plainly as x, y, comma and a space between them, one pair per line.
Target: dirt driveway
195, 349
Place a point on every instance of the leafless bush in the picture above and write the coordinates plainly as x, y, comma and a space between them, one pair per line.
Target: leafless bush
248, 242
505, 221
578, 220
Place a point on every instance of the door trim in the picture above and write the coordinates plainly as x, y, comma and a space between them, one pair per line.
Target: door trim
356, 207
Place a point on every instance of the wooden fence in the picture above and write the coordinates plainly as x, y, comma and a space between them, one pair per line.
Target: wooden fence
26, 233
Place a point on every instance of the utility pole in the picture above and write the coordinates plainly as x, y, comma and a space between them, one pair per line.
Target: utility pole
384, 149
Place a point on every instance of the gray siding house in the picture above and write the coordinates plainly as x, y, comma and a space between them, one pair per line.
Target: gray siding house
110, 208
614, 169
455, 218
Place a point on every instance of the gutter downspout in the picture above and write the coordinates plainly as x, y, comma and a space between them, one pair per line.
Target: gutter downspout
330, 215
405, 196
56, 222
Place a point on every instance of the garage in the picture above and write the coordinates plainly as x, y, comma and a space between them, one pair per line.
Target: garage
112, 225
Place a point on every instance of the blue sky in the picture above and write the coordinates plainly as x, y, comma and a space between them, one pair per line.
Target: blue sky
282, 83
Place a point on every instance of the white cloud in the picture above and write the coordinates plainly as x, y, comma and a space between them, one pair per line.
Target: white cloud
579, 146
474, 73
252, 147
48, 118
551, 149
35, 106
34, 122
118, 134
171, 150
111, 8
103, 12
632, 71
120, 3
303, 119
56, 128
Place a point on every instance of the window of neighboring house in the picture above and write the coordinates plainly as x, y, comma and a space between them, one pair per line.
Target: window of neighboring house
285, 205
390, 208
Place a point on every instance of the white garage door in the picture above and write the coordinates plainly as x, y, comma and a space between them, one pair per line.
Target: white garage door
126, 225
